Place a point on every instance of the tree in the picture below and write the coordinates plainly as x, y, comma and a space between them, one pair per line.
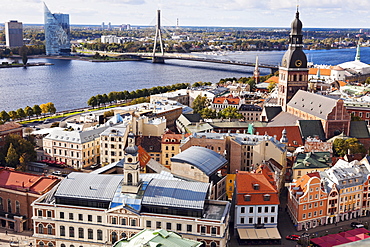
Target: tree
271, 86
208, 113
22, 163
21, 147
92, 102
37, 110
4, 116
23, 52
13, 115
29, 111
351, 146
12, 157
48, 108
44, 108
21, 114
200, 103
230, 112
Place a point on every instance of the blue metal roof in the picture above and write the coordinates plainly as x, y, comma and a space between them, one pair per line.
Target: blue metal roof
175, 193
204, 159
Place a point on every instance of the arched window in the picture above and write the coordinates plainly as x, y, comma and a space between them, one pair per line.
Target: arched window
114, 237
17, 207
213, 244
129, 179
90, 234
62, 245
50, 230
62, 231
203, 244
9, 206
41, 244
80, 232
123, 235
41, 229
71, 245
71, 232
100, 234
1, 204
50, 244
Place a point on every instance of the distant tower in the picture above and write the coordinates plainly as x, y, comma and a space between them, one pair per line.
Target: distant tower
102, 25
57, 33
158, 35
256, 72
109, 26
177, 23
14, 34
293, 74
131, 167
358, 56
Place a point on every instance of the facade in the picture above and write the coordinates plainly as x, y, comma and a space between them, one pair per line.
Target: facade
250, 112
90, 209
256, 204
170, 146
307, 202
17, 191
181, 96
57, 33
220, 103
293, 74
310, 162
152, 145
14, 34
112, 143
75, 148
11, 128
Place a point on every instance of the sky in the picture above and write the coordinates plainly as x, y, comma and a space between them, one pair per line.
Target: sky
220, 13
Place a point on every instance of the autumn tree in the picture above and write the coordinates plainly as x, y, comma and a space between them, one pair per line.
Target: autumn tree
13, 115
230, 112
349, 146
21, 114
4, 116
29, 111
12, 157
200, 103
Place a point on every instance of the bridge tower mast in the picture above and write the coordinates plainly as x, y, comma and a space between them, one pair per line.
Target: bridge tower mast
158, 35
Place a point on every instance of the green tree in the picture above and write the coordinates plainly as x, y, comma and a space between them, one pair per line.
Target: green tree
351, 146
92, 102
37, 110
230, 112
200, 103
22, 163
12, 158
51, 108
21, 114
271, 86
29, 111
13, 115
208, 113
4, 116
23, 52
367, 80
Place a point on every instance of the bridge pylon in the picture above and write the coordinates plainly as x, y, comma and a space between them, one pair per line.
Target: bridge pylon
158, 36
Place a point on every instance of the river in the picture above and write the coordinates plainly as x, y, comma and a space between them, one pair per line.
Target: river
70, 83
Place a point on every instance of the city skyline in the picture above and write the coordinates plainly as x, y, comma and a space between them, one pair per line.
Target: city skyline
234, 13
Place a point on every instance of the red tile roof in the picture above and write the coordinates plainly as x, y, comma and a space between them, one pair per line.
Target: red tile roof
230, 100
293, 133
144, 157
9, 126
313, 71
245, 182
273, 79
172, 136
23, 181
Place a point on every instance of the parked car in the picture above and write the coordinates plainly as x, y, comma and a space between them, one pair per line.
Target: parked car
354, 224
94, 166
293, 237
57, 173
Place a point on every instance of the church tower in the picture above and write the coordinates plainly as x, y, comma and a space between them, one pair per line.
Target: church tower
293, 74
256, 72
131, 167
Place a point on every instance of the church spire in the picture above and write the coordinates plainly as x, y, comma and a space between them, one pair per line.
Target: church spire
256, 72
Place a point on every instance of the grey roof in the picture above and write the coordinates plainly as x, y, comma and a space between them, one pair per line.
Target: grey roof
245, 107
311, 128
202, 158
272, 111
91, 186
359, 129
284, 119
175, 193
75, 136
314, 104
193, 118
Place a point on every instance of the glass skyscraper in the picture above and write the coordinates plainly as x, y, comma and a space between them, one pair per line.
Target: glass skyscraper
57, 33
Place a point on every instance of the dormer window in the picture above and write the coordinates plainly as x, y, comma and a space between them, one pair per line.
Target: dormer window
247, 198
256, 186
266, 197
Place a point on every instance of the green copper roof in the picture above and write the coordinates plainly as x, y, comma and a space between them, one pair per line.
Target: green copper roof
313, 160
156, 238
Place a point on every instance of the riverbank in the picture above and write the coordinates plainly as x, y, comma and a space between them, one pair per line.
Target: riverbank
9, 65
87, 58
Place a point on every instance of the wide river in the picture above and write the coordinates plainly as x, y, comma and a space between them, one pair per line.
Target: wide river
70, 83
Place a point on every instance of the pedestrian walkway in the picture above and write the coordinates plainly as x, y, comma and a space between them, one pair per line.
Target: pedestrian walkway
16, 239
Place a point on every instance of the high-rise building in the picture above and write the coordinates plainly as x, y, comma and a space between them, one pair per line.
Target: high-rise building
57, 33
14, 34
102, 25
293, 74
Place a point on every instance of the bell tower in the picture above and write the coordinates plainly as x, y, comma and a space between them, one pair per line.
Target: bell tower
293, 74
131, 167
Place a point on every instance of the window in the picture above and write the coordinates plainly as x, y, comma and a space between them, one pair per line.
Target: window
213, 230
178, 227
148, 224
266, 197
1, 204
41, 229
242, 220
89, 218
39, 213
242, 210
71, 216
100, 234
41, 244
123, 221
309, 215
266, 209
265, 220
114, 237
9, 206
80, 232
158, 224
304, 207
62, 231
18, 207
304, 216
189, 228
123, 235
133, 222
114, 220
71, 232
90, 234
259, 209
80, 217
50, 230
250, 220
247, 198
272, 209
272, 220
202, 230
168, 226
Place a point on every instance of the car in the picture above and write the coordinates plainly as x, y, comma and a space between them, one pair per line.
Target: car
293, 237
94, 166
354, 224
57, 173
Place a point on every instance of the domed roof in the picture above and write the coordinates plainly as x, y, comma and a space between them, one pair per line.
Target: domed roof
296, 25
131, 150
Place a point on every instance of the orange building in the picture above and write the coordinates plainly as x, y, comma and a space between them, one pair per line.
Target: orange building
307, 202
221, 103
